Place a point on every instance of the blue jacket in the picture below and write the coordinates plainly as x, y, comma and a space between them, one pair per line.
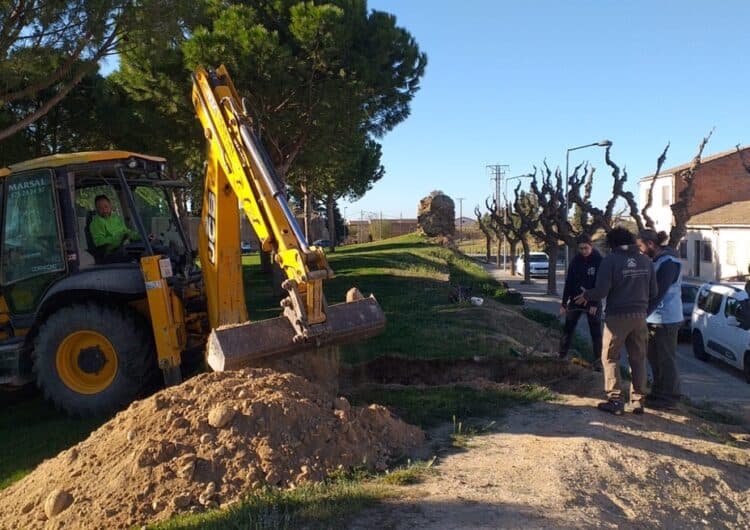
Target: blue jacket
669, 283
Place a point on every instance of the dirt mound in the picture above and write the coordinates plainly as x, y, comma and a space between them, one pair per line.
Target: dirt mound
201, 445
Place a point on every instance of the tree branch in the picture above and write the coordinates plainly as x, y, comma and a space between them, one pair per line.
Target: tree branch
681, 207
650, 197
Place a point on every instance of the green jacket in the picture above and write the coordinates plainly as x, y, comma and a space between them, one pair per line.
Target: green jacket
108, 232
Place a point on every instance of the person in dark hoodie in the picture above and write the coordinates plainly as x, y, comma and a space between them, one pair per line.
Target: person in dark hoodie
626, 279
665, 320
581, 275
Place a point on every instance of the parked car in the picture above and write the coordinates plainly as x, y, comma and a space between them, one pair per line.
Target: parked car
689, 294
322, 243
538, 264
247, 248
717, 330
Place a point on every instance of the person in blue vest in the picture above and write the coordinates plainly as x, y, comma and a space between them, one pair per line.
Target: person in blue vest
582, 275
665, 320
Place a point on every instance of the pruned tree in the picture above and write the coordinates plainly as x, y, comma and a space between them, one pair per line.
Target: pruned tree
506, 225
680, 208
619, 178
527, 210
484, 221
553, 226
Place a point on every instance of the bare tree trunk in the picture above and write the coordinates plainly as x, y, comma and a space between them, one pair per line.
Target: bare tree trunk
513, 259
499, 249
488, 239
552, 272
526, 265
331, 222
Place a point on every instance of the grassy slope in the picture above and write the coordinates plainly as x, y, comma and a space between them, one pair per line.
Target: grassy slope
412, 281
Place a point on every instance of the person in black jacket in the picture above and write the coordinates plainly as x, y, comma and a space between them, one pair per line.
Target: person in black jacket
581, 275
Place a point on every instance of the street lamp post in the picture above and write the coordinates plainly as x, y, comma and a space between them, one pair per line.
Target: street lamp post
600, 143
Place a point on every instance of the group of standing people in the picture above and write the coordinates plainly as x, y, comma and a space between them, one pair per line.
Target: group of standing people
640, 279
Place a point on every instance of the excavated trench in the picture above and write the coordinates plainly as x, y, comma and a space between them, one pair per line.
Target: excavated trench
553, 373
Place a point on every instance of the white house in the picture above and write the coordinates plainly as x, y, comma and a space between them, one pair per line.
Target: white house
717, 246
718, 242
663, 198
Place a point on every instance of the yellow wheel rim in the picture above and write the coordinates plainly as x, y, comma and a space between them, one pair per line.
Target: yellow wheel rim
86, 362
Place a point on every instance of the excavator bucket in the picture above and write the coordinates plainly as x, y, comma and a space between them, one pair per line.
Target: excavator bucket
240, 345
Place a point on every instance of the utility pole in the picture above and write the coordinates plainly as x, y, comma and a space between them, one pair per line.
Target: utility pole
498, 174
461, 217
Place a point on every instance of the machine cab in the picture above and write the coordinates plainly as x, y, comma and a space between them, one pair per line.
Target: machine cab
46, 247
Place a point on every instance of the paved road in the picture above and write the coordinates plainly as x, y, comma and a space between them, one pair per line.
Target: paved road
714, 381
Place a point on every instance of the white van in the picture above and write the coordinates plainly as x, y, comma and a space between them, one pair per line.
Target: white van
717, 330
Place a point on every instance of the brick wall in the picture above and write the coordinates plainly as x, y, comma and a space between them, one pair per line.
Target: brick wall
718, 182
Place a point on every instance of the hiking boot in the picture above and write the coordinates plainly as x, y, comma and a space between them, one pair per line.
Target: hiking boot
636, 408
613, 406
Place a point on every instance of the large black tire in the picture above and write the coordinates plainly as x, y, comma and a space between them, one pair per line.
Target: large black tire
93, 359
699, 350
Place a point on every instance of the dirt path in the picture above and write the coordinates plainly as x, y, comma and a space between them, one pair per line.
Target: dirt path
566, 465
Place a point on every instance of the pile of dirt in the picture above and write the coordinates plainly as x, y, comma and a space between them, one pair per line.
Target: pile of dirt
201, 445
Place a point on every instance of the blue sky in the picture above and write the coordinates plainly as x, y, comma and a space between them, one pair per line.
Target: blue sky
517, 82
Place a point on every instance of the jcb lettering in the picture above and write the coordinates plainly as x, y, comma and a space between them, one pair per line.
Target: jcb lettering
211, 227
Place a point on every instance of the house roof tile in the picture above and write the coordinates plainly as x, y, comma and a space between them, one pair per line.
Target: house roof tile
733, 213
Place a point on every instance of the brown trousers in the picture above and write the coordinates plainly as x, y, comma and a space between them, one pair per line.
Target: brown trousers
630, 331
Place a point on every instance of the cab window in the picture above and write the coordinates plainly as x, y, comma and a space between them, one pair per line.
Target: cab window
709, 301
31, 235
158, 217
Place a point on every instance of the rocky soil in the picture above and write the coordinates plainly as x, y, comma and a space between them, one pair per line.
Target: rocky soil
201, 445
565, 464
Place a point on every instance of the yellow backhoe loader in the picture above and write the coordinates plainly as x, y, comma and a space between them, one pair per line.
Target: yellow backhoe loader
96, 324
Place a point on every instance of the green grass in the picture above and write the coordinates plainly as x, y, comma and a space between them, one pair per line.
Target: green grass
412, 473
428, 407
551, 321
33, 431
323, 505
412, 279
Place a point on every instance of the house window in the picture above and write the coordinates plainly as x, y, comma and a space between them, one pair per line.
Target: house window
666, 195
683, 249
707, 254
731, 260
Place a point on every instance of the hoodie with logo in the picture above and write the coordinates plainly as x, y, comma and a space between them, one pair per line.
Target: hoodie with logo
626, 278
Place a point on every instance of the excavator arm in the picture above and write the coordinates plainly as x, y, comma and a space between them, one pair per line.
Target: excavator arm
240, 176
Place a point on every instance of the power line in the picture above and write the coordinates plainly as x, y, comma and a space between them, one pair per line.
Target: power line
498, 174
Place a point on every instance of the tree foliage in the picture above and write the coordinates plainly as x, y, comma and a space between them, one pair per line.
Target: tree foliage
47, 47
